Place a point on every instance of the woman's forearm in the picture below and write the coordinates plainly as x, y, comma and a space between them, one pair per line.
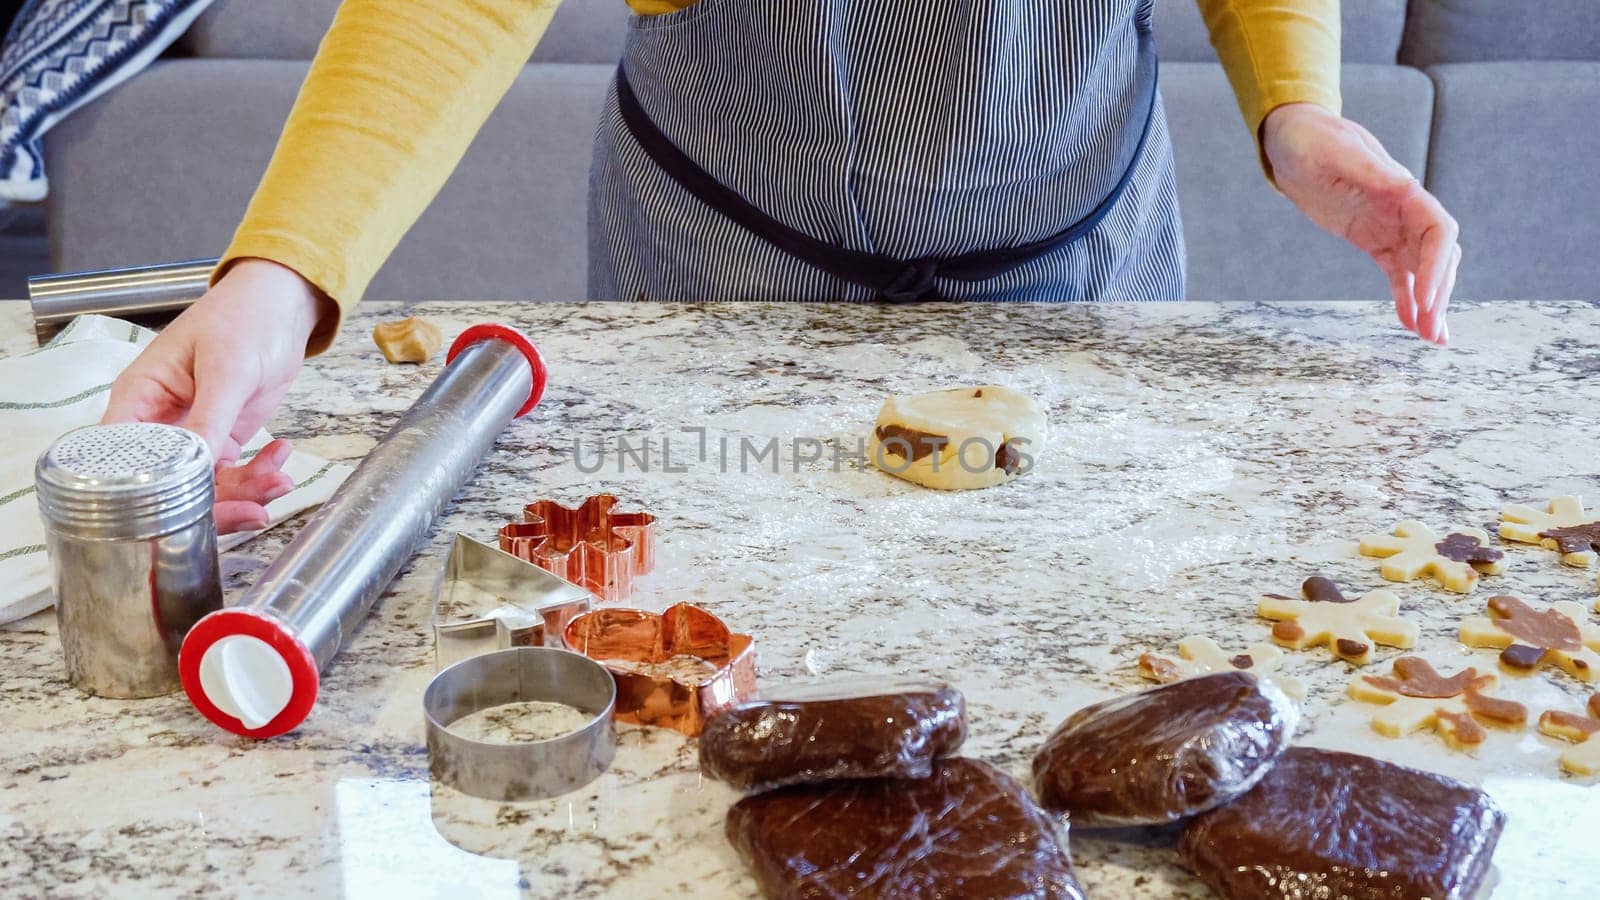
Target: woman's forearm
1277, 52
395, 95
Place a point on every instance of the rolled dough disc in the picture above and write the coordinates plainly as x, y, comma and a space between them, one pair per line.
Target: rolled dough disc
960, 439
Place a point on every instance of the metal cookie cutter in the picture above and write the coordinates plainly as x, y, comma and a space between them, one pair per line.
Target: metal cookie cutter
589, 545
674, 669
526, 770
490, 600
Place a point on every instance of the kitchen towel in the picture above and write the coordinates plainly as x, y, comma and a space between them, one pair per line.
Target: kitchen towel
64, 385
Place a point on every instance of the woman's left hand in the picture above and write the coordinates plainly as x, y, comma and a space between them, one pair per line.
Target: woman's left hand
1343, 179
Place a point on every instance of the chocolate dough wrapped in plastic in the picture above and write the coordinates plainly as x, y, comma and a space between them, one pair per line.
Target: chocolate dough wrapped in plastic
1327, 824
967, 830
1165, 754
841, 729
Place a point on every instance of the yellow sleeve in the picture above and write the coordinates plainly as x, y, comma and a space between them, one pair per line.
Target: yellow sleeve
396, 93
1276, 52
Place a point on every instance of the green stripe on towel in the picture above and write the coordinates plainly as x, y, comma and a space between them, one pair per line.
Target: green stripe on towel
56, 404
19, 492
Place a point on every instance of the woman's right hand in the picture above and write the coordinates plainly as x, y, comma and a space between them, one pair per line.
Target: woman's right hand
220, 369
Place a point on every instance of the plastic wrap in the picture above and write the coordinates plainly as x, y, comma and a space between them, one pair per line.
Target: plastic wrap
1326, 824
967, 830
1165, 754
840, 729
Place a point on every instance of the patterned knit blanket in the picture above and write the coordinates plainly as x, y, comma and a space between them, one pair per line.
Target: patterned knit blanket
59, 55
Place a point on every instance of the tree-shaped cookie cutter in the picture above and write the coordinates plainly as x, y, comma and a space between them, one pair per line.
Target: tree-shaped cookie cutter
674, 669
588, 545
489, 600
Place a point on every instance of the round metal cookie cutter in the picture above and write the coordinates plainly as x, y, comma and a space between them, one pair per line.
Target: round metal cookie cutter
528, 770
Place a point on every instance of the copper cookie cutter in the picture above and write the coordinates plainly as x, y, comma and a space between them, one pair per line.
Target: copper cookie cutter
674, 669
588, 545
490, 600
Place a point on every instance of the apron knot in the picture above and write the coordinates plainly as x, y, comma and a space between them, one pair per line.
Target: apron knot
914, 283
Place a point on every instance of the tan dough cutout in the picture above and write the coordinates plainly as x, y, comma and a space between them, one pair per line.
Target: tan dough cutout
1416, 697
411, 340
1202, 656
1455, 560
1584, 731
1348, 627
1530, 638
1564, 526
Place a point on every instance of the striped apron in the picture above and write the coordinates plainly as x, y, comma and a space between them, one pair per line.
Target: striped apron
867, 150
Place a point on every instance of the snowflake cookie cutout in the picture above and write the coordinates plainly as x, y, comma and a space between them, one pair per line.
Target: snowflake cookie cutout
1581, 730
1455, 560
1348, 627
1202, 656
1530, 638
1417, 697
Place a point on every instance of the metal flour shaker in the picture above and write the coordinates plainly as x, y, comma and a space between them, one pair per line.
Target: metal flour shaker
133, 551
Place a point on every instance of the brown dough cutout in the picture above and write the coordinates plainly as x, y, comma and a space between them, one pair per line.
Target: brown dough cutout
1414, 677
1576, 538
1468, 549
1546, 630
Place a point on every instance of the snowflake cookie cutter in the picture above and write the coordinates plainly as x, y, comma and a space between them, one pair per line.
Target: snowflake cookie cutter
1583, 731
1199, 656
674, 669
588, 544
489, 600
1529, 639
1455, 560
1416, 697
1348, 627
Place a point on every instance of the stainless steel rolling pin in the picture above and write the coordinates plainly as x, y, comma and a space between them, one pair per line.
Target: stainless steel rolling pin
252, 668
140, 290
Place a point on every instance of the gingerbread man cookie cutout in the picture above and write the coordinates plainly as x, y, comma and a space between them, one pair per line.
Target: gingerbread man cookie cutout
1584, 731
1348, 627
1456, 560
1416, 697
1202, 656
1529, 638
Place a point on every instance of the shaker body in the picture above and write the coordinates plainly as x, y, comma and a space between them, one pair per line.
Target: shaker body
124, 606
133, 552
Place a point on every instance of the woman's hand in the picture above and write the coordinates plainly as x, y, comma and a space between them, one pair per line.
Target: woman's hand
219, 370
1343, 179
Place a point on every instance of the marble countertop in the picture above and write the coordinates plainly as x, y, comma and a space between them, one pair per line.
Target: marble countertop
1199, 455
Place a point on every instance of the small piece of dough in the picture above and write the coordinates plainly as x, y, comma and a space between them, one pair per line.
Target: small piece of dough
1530, 638
960, 439
1455, 560
1584, 731
1203, 656
1417, 697
1348, 627
409, 340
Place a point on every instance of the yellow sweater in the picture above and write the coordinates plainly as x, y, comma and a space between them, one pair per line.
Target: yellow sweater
400, 87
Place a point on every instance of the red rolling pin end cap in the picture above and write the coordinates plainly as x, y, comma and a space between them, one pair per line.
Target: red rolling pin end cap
493, 332
247, 673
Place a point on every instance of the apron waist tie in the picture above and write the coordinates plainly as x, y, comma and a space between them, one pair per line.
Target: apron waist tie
894, 280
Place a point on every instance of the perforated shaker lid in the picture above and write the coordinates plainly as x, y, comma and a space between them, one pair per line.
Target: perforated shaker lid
124, 482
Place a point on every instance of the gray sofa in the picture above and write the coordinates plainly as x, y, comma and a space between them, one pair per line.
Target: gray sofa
1496, 104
